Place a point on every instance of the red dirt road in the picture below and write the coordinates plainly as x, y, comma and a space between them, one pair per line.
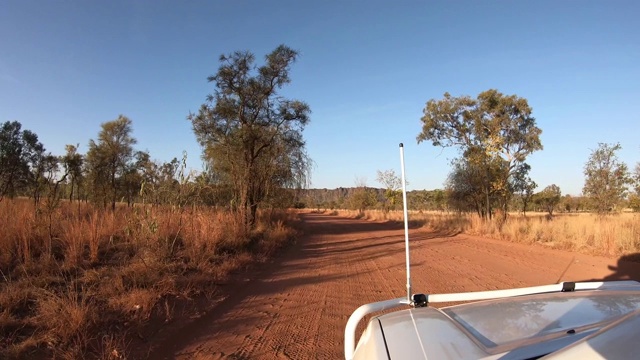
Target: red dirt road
297, 306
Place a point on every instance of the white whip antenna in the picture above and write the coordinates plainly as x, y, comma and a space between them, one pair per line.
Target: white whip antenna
406, 222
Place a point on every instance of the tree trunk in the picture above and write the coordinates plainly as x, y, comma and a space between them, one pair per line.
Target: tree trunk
113, 188
71, 192
487, 213
252, 214
505, 207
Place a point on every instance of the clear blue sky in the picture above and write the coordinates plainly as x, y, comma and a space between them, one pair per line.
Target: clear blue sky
366, 69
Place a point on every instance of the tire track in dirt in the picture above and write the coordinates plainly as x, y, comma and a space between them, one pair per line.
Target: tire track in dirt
297, 306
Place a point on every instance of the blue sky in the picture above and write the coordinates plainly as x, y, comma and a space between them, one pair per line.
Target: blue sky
366, 69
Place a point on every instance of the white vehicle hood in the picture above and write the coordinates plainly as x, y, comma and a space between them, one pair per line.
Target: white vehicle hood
515, 328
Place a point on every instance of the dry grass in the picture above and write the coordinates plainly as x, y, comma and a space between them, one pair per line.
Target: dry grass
75, 282
613, 235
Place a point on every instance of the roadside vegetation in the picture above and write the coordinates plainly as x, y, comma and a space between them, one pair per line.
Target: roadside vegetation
583, 232
81, 285
102, 248
489, 191
605, 220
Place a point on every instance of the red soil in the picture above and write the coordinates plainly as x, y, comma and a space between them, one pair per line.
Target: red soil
296, 307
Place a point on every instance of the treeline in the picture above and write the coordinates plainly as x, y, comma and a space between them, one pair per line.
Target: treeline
368, 198
255, 156
609, 188
253, 149
495, 133
86, 268
111, 171
432, 200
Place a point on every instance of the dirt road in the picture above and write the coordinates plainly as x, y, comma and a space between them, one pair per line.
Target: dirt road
297, 306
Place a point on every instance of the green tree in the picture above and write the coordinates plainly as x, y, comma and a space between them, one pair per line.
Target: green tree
580, 203
522, 185
73, 165
634, 199
568, 203
549, 198
636, 179
494, 132
20, 152
465, 186
133, 177
252, 136
606, 178
109, 158
43, 174
393, 188
362, 197
438, 199
157, 179
634, 202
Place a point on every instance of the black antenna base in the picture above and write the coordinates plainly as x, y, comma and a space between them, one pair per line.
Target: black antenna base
419, 300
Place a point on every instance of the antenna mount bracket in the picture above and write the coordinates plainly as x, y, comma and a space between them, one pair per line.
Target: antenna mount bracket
419, 300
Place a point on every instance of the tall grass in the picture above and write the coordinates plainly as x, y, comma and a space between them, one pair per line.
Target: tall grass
609, 235
74, 282
589, 233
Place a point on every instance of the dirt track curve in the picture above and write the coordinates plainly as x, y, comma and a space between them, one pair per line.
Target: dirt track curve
297, 306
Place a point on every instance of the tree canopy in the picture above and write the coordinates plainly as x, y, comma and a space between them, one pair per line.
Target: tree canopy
522, 185
549, 198
73, 162
108, 159
465, 186
494, 132
634, 198
20, 154
393, 188
251, 135
606, 178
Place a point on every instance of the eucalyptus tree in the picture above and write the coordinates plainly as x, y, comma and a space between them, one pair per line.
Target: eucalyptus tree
108, 159
251, 135
522, 185
634, 199
73, 162
606, 178
465, 186
43, 175
549, 198
20, 153
362, 197
636, 179
134, 176
495, 132
393, 188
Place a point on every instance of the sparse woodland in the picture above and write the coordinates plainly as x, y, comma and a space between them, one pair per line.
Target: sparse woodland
99, 248
95, 247
489, 191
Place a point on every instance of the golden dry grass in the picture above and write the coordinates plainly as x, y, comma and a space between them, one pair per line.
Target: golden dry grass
612, 235
75, 282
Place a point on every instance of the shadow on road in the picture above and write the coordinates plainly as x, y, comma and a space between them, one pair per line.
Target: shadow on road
628, 268
316, 224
